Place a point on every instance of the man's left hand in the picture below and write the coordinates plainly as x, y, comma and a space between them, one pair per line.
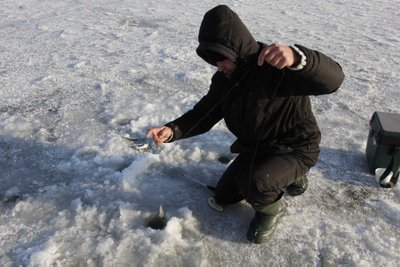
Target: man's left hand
278, 55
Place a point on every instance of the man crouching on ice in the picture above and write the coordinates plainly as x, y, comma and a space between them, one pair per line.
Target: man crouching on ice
262, 92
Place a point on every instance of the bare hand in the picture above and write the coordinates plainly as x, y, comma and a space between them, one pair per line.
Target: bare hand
278, 55
160, 134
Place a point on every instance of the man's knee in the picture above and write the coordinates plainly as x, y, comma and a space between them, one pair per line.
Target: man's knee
270, 177
255, 197
277, 173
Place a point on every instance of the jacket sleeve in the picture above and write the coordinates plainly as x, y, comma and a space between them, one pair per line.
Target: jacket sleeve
320, 75
201, 118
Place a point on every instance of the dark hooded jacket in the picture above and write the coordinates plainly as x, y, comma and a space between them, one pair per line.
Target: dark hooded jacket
267, 109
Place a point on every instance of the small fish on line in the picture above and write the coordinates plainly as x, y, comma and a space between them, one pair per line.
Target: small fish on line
140, 144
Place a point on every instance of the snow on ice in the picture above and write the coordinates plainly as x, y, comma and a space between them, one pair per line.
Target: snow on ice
76, 76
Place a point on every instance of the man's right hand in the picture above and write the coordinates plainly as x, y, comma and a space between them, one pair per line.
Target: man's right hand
160, 134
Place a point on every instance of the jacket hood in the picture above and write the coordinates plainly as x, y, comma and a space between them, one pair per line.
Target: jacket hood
222, 32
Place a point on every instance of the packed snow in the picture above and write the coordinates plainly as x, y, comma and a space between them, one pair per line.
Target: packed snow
76, 76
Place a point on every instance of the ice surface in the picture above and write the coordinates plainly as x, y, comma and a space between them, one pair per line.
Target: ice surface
76, 75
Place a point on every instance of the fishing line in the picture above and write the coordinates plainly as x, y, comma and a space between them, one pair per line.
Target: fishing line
209, 187
261, 130
218, 103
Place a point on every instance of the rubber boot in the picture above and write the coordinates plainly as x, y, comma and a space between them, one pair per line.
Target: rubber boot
263, 225
298, 187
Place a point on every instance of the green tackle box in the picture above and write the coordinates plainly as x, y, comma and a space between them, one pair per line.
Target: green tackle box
383, 140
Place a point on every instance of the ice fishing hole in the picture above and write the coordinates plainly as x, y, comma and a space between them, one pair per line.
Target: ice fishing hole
156, 222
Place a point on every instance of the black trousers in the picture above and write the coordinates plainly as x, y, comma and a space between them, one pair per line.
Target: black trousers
261, 181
